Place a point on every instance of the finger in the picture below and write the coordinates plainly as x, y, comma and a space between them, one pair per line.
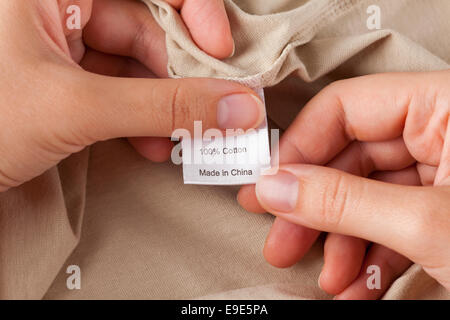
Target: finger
391, 263
391, 266
358, 158
287, 243
153, 148
344, 255
208, 24
363, 158
427, 174
117, 107
247, 199
406, 177
344, 120
126, 28
333, 201
114, 66
175, 3
369, 108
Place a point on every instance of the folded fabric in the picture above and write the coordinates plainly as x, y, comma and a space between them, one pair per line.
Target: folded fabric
309, 40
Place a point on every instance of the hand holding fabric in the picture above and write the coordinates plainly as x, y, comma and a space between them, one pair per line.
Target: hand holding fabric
391, 128
52, 108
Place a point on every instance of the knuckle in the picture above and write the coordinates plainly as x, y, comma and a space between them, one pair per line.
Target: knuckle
144, 43
185, 106
335, 201
179, 107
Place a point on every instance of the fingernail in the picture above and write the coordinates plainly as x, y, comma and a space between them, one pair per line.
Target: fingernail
234, 50
278, 192
318, 281
239, 111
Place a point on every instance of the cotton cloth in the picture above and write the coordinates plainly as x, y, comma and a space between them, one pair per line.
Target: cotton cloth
137, 232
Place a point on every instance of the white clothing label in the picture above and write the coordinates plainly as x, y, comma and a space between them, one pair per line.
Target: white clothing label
218, 158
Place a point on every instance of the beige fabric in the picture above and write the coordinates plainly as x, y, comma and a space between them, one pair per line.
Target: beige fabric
310, 40
146, 235
40, 225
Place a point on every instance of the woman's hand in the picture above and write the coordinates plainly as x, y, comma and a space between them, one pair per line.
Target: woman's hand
392, 128
50, 107
124, 40
124, 29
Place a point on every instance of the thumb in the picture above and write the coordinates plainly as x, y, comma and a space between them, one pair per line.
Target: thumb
208, 24
326, 199
116, 107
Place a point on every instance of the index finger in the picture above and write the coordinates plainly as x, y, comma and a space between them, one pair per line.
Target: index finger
208, 25
369, 108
